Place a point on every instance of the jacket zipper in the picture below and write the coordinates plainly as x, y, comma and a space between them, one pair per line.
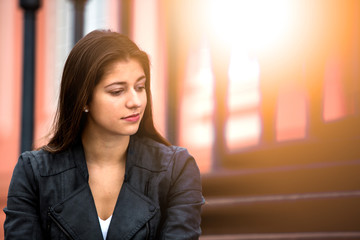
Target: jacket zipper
59, 226
146, 190
147, 223
147, 231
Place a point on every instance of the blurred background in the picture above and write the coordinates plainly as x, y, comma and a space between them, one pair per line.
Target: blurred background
265, 94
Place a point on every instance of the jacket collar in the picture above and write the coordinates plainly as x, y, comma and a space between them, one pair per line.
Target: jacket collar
78, 156
132, 210
131, 213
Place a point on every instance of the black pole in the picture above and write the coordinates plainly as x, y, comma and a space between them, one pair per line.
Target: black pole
27, 118
79, 7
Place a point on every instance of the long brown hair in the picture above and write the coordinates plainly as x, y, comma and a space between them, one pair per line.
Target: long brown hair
83, 70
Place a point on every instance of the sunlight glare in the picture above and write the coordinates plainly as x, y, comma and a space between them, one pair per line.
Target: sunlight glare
243, 127
251, 23
244, 80
247, 133
196, 124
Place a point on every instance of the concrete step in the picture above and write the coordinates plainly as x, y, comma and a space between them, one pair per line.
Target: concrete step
302, 212
286, 236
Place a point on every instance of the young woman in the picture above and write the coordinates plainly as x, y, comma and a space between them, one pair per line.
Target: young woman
106, 173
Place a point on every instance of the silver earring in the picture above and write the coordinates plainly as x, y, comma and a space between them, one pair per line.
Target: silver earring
86, 110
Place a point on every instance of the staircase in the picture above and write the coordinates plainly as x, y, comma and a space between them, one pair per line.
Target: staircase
301, 201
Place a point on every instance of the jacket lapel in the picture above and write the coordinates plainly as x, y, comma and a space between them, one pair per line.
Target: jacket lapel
76, 216
131, 213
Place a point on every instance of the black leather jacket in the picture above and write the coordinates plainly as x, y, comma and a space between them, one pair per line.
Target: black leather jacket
50, 198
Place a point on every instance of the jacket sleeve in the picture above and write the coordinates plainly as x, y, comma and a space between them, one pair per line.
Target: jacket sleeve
22, 214
183, 213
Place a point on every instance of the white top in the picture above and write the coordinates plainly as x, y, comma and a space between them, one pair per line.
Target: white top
104, 224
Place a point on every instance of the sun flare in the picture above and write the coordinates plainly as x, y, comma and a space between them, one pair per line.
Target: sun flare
252, 24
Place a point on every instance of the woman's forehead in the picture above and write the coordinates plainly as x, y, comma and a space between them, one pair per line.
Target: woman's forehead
123, 71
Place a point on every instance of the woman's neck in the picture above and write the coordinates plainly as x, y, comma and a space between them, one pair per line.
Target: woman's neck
104, 151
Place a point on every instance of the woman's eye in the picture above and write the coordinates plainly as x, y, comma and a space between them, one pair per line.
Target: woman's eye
117, 92
140, 88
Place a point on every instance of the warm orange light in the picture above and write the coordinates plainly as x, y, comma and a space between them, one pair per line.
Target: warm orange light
243, 131
291, 113
334, 106
253, 24
196, 107
243, 126
244, 80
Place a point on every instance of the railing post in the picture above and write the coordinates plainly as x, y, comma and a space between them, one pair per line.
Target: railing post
27, 118
79, 7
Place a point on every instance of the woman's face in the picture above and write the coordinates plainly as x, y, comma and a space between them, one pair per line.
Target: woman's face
119, 100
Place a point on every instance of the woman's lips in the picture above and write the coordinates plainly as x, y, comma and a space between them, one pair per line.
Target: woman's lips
132, 118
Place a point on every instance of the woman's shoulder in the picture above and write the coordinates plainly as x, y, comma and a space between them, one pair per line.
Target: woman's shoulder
46, 163
42, 154
157, 148
155, 155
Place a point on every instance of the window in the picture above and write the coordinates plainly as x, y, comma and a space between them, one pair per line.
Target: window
243, 126
196, 106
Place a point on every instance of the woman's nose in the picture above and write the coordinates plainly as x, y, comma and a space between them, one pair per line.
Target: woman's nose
133, 100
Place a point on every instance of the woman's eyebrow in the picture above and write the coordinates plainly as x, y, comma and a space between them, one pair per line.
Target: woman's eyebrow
141, 78
115, 83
